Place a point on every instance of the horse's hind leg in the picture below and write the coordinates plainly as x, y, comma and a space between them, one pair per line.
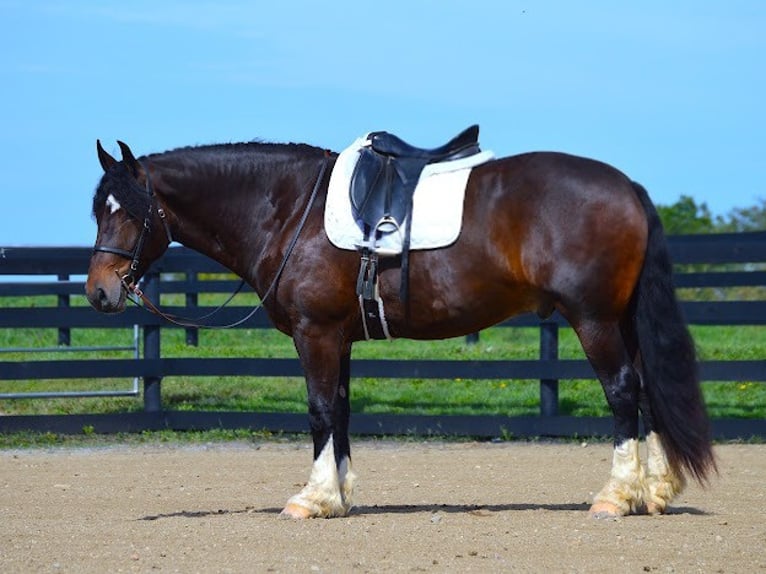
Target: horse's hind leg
606, 351
663, 482
330, 487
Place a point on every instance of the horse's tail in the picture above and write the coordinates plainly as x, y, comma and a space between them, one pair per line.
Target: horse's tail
668, 358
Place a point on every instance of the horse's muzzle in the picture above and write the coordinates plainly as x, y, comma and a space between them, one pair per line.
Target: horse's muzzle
106, 296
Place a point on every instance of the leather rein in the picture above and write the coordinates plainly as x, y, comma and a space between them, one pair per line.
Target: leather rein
128, 280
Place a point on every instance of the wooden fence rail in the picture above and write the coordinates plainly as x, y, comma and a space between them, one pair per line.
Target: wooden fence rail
704, 261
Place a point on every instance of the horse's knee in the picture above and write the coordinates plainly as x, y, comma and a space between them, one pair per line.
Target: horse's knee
320, 412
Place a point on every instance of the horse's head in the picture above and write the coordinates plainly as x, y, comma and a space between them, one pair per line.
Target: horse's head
132, 231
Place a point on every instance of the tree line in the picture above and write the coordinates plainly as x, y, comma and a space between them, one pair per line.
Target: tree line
688, 216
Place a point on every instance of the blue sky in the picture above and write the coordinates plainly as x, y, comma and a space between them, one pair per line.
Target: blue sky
672, 93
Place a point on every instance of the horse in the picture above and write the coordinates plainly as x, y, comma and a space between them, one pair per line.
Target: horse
541, 232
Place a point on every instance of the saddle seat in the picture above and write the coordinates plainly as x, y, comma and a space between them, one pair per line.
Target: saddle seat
462, 145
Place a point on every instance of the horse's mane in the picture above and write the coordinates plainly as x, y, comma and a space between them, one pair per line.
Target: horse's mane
220, 157
257, 149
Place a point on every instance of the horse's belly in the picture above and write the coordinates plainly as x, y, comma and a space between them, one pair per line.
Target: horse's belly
459, 312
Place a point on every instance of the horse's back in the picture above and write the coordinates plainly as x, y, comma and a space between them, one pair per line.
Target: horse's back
556, 182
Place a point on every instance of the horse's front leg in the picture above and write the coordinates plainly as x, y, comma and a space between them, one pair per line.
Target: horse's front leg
330, 487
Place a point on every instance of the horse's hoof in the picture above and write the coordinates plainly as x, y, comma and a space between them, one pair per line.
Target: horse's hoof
293, 510
604, 510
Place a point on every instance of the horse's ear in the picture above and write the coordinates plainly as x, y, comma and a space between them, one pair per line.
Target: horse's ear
104, 158
129, 159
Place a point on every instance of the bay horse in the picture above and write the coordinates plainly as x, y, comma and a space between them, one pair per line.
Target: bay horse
541, 231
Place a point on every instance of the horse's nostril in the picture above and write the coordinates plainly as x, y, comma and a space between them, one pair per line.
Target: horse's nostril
98, 298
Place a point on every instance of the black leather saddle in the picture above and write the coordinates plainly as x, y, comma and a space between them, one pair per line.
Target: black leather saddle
382, 186
387, 173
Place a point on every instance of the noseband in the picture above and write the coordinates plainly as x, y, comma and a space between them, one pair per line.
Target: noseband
135, 254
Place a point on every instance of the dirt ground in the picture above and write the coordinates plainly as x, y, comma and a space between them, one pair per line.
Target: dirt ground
421, 507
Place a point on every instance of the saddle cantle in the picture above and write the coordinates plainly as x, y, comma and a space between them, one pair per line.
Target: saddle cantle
387, 173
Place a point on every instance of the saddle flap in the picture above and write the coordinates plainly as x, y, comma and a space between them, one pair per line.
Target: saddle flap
381, 190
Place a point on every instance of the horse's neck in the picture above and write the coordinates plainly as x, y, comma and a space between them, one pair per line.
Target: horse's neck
235, 220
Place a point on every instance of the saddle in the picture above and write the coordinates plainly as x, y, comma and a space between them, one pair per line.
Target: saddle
387, 173
382, 186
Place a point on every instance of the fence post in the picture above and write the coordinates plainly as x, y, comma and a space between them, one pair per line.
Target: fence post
192, 333
549, 351
152, 385
472, 339
65, 335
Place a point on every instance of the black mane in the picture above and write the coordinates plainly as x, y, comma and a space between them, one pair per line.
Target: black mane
224, 155
250, 147
120, 183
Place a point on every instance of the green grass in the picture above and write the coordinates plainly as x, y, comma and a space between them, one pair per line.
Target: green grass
418, 396
22, 440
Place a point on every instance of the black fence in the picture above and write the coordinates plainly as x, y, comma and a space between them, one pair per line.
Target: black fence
736, 260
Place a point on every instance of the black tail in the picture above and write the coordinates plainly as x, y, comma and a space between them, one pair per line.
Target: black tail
668, 358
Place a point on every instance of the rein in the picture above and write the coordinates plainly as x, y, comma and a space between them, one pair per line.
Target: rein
132, 289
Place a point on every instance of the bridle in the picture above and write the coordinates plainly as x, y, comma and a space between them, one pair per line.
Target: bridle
128, 280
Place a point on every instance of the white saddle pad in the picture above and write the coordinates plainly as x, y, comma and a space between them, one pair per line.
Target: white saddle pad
437, 210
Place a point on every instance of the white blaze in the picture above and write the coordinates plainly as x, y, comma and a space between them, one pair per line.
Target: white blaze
112, 203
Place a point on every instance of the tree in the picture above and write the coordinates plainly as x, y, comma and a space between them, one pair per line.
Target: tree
685, 216
747, 218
